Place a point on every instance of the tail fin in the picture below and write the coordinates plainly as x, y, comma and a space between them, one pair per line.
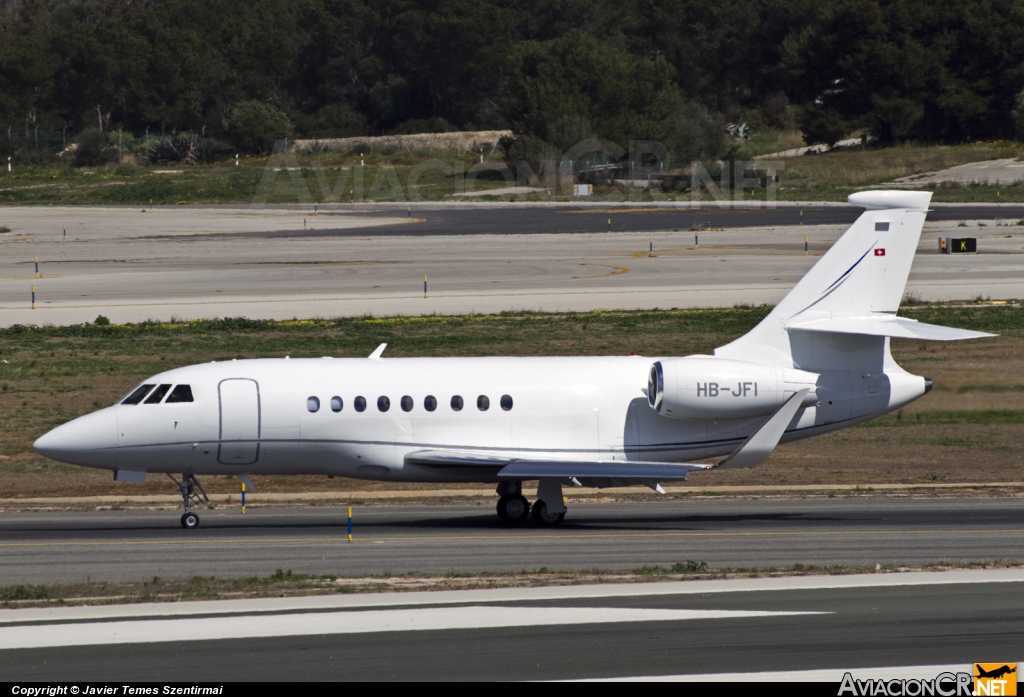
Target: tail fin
855, 289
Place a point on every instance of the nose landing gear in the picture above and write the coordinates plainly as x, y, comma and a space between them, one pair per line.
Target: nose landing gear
191, 492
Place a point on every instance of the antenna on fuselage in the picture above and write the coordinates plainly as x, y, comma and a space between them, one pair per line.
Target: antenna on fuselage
375, 356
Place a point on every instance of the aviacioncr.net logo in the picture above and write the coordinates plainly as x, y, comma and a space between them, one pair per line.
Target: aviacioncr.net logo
995, 679
942, 685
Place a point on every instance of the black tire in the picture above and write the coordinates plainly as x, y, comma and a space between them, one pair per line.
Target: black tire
543, 518
513, 509
190, 521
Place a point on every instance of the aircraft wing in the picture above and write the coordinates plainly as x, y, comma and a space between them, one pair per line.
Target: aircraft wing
605, 473
595, 473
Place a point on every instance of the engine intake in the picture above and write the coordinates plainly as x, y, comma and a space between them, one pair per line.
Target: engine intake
699, 387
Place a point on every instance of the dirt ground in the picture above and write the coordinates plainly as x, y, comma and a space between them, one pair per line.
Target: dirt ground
970, 428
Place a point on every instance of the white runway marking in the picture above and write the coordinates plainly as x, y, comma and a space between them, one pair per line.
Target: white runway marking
834, 675
351, 622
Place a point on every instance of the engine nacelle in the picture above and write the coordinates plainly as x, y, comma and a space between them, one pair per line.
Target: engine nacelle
704, 387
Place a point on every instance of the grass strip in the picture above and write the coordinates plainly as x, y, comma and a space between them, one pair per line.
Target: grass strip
980, 416
287, 583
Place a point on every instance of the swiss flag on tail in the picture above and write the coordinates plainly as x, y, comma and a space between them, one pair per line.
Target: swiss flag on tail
880, 252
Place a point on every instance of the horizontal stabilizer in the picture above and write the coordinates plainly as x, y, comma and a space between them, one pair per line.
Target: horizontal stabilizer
882, 325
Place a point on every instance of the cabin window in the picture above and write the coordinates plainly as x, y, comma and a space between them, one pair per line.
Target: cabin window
406, 403
506, 402
881, 227
456, 403
136, 396
181, 393
482, 403
313, 404
383, 403
158, 395
430, 402
360, 403
336, 404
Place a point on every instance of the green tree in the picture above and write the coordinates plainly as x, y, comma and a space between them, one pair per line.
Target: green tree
622, 97
910, 68
255, 126
1018, 116
696, 135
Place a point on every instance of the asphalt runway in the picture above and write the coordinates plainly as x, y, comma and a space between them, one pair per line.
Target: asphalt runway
451, 219
890, 626
52, 547
281, 263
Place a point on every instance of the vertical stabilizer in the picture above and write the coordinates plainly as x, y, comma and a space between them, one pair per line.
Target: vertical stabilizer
863, 274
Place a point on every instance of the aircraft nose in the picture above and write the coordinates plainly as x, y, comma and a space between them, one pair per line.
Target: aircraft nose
88, 440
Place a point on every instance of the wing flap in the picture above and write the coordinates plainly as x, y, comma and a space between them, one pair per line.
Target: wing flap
597, 473
884, 325
615, 470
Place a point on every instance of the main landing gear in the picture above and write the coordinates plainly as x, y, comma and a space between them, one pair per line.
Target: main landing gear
547, 511
191, 492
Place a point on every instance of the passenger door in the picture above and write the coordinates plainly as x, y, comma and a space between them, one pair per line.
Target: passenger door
239, 422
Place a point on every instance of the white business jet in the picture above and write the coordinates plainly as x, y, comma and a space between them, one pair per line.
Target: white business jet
818, 363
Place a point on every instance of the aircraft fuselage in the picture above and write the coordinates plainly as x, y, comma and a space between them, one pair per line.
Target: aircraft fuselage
358, 417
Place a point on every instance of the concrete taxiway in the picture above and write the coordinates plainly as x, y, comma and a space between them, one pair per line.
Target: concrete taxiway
881, 625
283, 263
51, 547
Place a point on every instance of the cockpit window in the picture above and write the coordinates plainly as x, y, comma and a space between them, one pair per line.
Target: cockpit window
158, 395
181, 393
136, 396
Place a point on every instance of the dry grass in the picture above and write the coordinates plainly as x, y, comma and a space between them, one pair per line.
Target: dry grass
288, 584
771, 141
856, 167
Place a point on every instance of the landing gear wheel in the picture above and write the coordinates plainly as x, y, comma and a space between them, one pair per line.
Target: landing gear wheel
513, 508
190, 521
545, 519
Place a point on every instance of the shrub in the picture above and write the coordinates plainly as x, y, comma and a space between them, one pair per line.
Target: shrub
1018, 116
93, 148
333, 121
184, 148
821, 125
434, 125
255, 126
530, 154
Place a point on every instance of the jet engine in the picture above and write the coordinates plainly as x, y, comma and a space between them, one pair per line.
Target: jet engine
703, 387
